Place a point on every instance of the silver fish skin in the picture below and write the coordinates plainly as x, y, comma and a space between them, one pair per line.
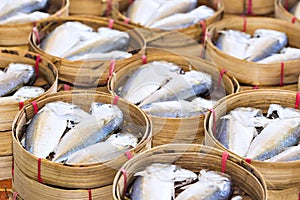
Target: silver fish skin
89, 131
183, 20
147, 79
182, 87
20, 18
237, 198
16, 76
171, 7
286, 54
283, 113
114, 146
277, 136
211, 185
288, 155
116, 55
10, 7
265, 43
157, 181
233, 43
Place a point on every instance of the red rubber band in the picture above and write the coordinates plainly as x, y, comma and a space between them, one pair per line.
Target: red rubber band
129, 155
37, 61
66, 87
245, 24
15, 195
282, 74
299, 196
111, 23
286, 5
222, 72
214, 121
35, 107
111, 68
203, 26
40, 180
21, 105
116, 99
37, 35
249, 11
126, 20
90, 194
125, 181
297, 103
144, 59
130, 1
109, 8
294, 19
224, 161
248, 160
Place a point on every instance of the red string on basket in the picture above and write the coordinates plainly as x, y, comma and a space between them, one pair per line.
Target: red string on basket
214, 121
21, 105
130, 1
222, 72
286, 4
256, 87
299, 196
248, 160
126, 20
203, 26
109, 8
282, 74
297, 102
111, 69
129, 155
90, 194
40, 180
116, 99
224, 161
111, 23
249, 10
37, 35
144, 59
15, 195
37, 61
125, 181
35, 107
294, 19
67, 87
245, 24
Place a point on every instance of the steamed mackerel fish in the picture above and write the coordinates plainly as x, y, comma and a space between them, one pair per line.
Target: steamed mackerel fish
117, 55
104, 120
16, 76
157, 181
285, 54
288, 155
20, 18
47, 127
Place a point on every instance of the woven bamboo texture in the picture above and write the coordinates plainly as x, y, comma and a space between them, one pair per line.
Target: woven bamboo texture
278, 175
74, 176
85, 73
195, 158
5, 143
65, 87
47, 76
5, 167
292, 87
250, 72
17, 34
176, 130
281, 10
249, 7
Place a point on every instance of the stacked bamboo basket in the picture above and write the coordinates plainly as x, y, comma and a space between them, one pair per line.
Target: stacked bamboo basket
47, 79
281, 10
49, 180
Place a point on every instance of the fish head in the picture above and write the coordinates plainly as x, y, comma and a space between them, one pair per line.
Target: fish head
280, 36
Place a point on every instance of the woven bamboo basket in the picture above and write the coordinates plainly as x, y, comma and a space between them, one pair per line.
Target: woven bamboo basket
17, 34
47, 78
176, 130
83, 176
278, 175
85, 73
65, 87
5, 167
5, 143
194, 158
287, 194
249, 7
292, 87
250, 72
281, 10
195, 32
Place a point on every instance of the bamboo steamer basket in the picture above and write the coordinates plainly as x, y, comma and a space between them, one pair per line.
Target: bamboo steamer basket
5, 143
287, 194
176, 130
194, 158
292, 87
85, 73
281, 10
249, 7
17, 34
75, 176
5, 167
195, 31
278, 175
47, 77
250, 72
66, 87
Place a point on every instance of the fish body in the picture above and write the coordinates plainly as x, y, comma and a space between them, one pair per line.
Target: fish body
286, 54
116, 55
277, 136
89, 131
282, 113
211, 185
16, 76
288, 155
20, 18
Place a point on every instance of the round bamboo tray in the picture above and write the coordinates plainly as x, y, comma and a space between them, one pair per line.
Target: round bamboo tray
250, 72
74, 176
47, 78
5, 167
195, 32
292, 87
5, 143
278, 175
176, 130
194, 158
85, 73
281, 10
249, 7
28, 189
17, 34
66, 87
